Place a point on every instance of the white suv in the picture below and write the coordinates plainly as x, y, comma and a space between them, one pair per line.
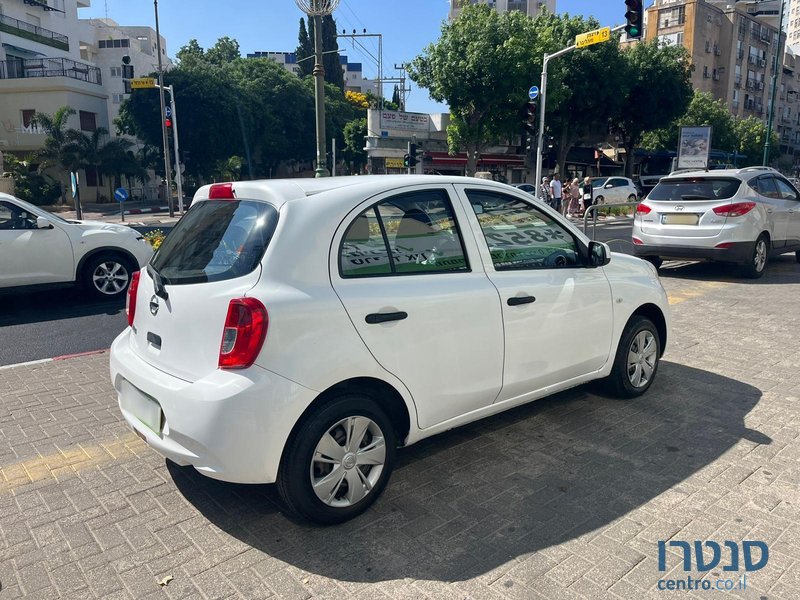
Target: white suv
299, 331
38, 248
739, 216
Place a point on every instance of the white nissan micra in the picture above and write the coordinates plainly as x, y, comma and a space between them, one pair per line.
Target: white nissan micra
299, 331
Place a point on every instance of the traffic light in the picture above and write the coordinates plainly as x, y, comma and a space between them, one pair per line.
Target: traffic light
406, 160
634, 18
168, 122
531, 125
412, 155
127, 73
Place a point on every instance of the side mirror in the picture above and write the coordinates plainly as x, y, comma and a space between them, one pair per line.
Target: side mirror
599, 254
608, 186
43, 223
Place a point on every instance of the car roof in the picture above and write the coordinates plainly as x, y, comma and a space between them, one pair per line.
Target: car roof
742, 173
280, 191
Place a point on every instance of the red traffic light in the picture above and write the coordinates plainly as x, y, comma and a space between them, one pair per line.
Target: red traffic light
168, 122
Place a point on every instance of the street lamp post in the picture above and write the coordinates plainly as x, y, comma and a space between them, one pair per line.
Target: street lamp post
164, 136
317, 9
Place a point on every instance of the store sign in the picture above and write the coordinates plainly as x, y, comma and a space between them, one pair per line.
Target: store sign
394, 163
405, 121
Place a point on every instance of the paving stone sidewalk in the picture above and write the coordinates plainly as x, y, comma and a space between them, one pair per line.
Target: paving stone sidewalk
564, 498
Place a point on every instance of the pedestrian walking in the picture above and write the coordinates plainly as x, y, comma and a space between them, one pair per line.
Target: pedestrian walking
545, 191
588, 193
556, 189
574, 208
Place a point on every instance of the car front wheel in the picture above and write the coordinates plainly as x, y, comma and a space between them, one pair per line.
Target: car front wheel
338, 461
637, 358
107, 276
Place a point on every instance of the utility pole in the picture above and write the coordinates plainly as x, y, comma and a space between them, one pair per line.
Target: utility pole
777, 65
378, 60
164, 137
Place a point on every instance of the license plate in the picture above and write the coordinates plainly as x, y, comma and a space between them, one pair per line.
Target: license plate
680, 219
141, 406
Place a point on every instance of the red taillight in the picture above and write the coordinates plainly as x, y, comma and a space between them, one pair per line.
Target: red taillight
244, 333
221, 191
637, 242
737, 209
643, 209
130, 301
724, 245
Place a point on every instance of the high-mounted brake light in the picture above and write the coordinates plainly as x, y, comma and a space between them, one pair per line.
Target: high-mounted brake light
245, 330
221, 191
737, 209
643, 209
130, 300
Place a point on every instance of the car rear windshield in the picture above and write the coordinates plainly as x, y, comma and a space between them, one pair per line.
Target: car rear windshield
696, 188
216, 240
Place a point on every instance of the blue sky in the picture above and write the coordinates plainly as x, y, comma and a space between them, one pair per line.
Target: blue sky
272, 25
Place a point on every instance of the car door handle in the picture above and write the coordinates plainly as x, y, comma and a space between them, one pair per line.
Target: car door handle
518, 300
375, 318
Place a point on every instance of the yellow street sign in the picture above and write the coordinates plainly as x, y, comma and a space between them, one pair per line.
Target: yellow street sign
394, 163
593, 37
143, 83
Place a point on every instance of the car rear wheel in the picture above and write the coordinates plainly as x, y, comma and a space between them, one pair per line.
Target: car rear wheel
632, 198
599, 200
107, 276
759, 255
338, 461
637, 358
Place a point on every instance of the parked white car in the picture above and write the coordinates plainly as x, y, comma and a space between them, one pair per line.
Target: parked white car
299, 331
38, 248
614, 190
740, 216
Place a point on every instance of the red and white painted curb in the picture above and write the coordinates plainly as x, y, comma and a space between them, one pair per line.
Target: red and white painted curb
55, 358
144, 211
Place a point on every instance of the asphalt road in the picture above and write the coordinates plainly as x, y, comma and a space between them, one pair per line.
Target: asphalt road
49, 324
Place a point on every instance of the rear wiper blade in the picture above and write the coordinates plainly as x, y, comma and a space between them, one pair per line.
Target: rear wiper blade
158, 283
695, 197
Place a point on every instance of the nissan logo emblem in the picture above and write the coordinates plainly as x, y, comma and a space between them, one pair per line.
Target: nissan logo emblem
154, 306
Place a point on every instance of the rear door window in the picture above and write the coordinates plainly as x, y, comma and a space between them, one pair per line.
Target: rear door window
705, 188
216, 240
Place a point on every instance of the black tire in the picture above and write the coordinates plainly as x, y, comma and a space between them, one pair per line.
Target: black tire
295, 474
599, 200
117, 271
753, 268
632, 198
619, 383
797, 255
656, 261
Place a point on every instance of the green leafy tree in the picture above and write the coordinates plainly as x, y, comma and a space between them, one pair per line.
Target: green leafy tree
229, 169
703, 109
650, 72
190, 54
29, 184
355, 133
750, 135
396, 98
60, 149
476, 67
305, 50
225, 51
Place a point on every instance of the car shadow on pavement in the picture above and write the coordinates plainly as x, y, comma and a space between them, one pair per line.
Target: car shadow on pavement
53, 305
780, 270
465, 502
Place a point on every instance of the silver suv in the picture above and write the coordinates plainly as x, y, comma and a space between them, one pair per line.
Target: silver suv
740, 216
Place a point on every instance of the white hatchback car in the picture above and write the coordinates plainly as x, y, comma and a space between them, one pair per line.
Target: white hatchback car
298, 331
614, 190
40, 249
738, 216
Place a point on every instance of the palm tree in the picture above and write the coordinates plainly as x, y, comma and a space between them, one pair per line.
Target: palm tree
117, 160
61, 149
229, 169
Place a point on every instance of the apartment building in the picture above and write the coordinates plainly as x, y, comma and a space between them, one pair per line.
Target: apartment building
529, 7
353, 72
110, 43
733, 48
42, 68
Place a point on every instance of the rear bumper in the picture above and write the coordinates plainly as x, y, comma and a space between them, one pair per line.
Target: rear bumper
230, 425
738, 252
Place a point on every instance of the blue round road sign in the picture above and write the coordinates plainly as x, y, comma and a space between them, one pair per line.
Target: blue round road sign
121, 194
167, 111
533, 93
